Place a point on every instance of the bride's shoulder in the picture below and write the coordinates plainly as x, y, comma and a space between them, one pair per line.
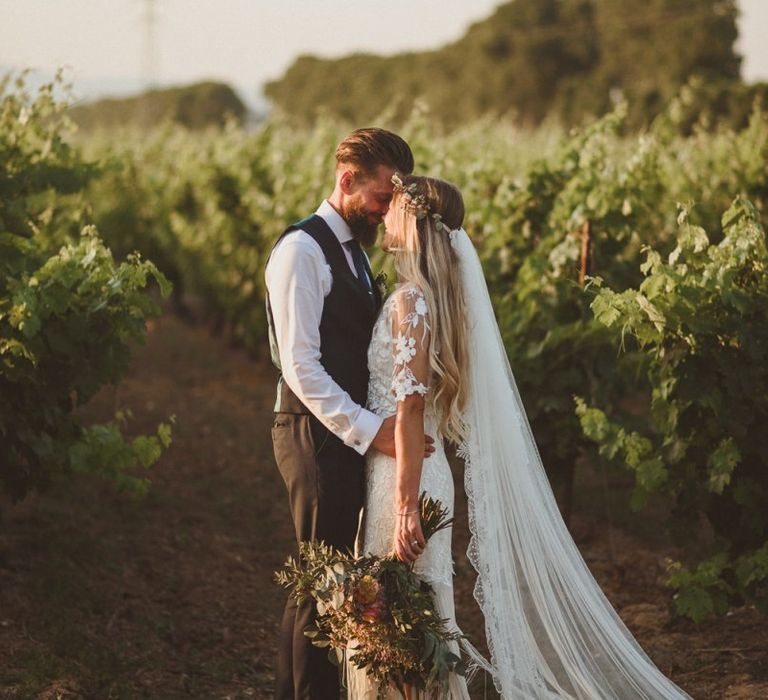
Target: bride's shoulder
405, 292
407, 304
405, 296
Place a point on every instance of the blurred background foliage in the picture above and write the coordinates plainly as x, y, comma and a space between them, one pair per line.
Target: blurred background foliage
194, 106
69, 313
564, 60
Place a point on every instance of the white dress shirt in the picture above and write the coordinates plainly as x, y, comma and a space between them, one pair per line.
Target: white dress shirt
298, 280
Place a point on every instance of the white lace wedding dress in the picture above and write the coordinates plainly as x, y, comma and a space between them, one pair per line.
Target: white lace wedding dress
397, 360
551, 632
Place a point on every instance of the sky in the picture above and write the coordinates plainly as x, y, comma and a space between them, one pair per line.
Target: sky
247, 42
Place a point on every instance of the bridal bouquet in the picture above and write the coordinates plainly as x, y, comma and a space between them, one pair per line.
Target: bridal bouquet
378, 609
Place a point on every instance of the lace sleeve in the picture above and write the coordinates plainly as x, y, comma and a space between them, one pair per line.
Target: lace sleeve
410, 343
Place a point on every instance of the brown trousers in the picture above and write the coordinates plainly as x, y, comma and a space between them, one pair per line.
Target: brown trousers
326, 487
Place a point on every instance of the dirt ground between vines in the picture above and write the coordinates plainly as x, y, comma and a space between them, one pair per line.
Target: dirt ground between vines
103, 596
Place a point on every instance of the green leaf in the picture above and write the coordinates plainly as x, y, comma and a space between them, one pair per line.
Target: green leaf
164, 433
605, 307
593, 421
335, 656
694, 602
694, 238
146, 449
30, 326
651, 474
653, 313
752, 568
652, 261
722, 463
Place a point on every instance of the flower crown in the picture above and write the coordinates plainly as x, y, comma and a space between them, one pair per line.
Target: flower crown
416, 203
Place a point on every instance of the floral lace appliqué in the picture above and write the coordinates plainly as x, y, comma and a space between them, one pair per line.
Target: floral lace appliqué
408, 316
405, 349
398, 360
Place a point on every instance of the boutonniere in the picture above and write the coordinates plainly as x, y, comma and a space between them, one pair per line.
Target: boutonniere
381, 282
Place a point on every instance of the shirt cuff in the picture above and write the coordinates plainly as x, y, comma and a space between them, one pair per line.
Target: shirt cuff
363, 431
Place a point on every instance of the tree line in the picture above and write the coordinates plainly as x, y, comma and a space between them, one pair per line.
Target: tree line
539, 59
194, 106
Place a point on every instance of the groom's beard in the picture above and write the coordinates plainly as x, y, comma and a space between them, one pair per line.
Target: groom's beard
359, 222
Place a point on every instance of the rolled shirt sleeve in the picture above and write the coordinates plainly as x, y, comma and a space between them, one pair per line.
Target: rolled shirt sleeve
298, 279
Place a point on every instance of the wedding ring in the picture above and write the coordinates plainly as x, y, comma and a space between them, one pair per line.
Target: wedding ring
414, 541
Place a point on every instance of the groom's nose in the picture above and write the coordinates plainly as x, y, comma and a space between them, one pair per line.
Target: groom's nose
381, 211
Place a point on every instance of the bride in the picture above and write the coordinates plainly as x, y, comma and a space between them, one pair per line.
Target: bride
437, 361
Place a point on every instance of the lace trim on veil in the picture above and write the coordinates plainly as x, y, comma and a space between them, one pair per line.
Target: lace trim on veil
550, 630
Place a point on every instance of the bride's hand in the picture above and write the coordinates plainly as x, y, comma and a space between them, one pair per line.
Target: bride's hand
409, 540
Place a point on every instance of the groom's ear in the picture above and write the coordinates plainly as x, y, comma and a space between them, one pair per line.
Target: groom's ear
347, 181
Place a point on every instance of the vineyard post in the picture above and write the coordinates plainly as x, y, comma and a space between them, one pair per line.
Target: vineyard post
587, 251
585, 267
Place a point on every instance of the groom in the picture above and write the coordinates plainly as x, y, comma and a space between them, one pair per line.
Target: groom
321, 306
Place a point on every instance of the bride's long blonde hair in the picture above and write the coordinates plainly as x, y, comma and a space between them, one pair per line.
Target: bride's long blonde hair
424, 256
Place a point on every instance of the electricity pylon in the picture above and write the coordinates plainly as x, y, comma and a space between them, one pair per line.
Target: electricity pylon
149, 57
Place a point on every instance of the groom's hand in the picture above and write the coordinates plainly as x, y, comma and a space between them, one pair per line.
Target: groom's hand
385, 439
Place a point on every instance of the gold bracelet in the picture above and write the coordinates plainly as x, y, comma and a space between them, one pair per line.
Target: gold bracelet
408, 512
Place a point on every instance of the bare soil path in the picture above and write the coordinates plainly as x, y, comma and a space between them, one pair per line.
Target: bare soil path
103, 596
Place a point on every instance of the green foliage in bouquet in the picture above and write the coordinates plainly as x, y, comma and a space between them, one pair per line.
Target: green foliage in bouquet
699, 320
379, 609
68, 311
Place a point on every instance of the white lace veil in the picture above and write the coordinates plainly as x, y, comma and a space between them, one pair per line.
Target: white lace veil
550, 630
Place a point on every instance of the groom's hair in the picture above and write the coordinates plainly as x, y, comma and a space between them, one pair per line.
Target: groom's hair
367, 149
